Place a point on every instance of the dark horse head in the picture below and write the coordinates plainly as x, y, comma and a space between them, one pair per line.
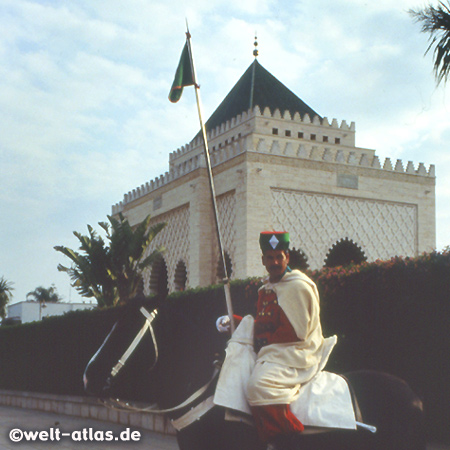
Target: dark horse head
157, 354
128, 352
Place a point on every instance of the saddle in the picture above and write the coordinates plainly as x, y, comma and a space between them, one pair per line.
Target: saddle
237, 416
205, 405
326, 401
233, 415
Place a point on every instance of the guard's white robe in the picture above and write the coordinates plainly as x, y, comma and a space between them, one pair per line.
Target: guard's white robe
324, 401
281, 368
298, 297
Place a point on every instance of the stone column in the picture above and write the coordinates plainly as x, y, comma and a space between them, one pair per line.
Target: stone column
201, 233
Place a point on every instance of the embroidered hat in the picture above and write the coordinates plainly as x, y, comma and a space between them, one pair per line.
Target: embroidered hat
274, 240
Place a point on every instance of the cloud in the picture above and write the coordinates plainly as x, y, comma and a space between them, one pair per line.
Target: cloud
84, 116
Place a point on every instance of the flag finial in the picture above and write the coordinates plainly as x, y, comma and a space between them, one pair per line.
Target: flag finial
188, 35
255, 52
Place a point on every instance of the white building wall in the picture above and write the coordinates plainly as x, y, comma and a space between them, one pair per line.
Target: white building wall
29, 311
319, 187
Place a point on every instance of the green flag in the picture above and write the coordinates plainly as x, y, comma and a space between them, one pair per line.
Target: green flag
183, 77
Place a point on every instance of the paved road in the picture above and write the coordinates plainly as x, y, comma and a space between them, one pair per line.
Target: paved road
25, 419
11, 418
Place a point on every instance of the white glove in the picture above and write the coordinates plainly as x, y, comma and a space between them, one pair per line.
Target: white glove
223, 324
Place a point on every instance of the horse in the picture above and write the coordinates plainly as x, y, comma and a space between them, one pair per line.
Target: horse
167, 353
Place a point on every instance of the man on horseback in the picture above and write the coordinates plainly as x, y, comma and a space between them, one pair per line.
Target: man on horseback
287, 339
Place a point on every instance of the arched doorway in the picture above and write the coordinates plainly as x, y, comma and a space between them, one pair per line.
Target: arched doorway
298, 259
220, 272
180, 276
343, 253
159, 278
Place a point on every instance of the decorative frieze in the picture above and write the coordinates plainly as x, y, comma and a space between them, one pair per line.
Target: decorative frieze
317, 221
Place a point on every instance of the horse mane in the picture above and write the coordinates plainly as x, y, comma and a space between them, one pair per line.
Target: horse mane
188, 343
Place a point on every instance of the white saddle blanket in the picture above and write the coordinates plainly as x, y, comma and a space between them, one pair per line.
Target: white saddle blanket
324, 401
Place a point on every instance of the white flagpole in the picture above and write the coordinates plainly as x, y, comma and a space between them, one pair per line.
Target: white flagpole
226, 280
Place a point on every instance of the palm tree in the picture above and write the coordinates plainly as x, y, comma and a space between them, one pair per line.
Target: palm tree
436, 22
5, 295
44, 295
126, 252
89, 270
111, 273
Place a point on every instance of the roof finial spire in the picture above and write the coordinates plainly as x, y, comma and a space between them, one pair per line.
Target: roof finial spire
255, 52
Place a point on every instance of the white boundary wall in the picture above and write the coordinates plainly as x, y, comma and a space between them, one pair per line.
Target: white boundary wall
85, 407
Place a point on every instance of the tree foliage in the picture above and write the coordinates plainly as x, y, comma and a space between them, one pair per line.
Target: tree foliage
5, 295
44, 295
435, 21
111, 272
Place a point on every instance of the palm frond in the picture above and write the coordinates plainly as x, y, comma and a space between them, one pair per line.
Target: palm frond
111, 271
436, 22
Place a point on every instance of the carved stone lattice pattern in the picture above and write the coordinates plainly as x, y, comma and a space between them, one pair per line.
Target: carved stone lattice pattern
174, 237
226, 205
317, 221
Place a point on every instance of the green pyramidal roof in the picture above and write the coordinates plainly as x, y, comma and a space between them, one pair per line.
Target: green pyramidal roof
258, 87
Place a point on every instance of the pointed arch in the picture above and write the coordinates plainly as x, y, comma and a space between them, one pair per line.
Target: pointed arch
159, 278
220, 272
180, 279
343, 253
298, 259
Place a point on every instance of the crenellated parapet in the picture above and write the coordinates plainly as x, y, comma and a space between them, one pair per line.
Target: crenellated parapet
234, 124
275, 133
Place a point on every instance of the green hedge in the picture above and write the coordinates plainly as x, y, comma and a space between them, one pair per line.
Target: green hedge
50, 356
392, 316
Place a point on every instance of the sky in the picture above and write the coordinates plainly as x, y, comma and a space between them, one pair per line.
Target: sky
85, 118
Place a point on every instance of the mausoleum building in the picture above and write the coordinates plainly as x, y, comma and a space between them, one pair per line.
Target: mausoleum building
279, 165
